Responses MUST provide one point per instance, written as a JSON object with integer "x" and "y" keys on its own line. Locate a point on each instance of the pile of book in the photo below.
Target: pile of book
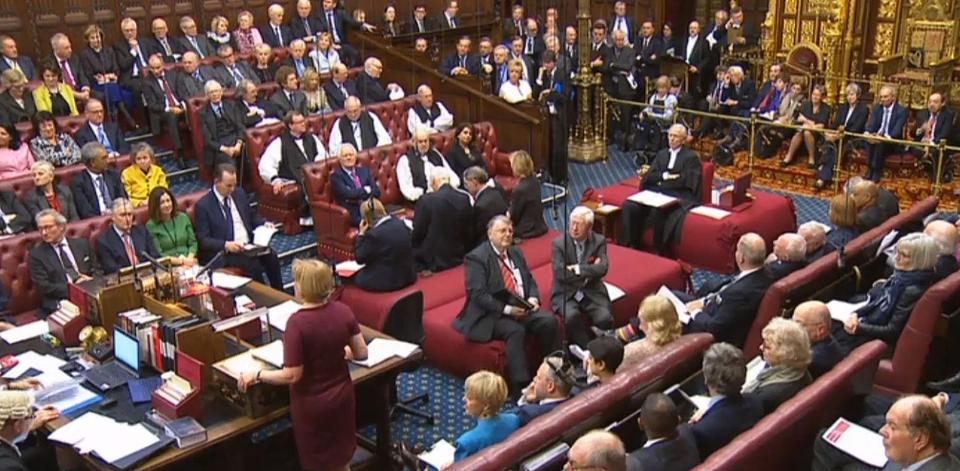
{"x": 174, "y": 388}
{"x": 66, "y": 313}
{"x": 133, "y": 319}
{"x": 157, "y": 336}
{"x": 186, "y": 431}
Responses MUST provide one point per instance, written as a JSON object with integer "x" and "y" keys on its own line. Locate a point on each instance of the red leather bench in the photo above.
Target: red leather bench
{"x": 335, "y": 236}
{"x": 781, "y": 440}
{"x": 15, "y": 253}
{"x": 901, "y": 374}
{"x": 769, "y": 215}
{"x": 594, "y": 408}
{"x": 796, "y": 287}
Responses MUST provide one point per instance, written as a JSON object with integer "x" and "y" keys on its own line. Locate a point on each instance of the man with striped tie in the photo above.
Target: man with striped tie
{"x": 97, "y": 129}
{"x": 59, "y": 260}
{"x": 503, "y": 302}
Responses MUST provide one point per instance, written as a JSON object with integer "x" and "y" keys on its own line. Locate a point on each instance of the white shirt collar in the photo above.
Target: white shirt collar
{"x": 119, "y": 232}
{"x": 552, "y": 399}
{"x": 381, "y": 221}
{"x": 654, "y": 441}
{"x": 218, "y": 195}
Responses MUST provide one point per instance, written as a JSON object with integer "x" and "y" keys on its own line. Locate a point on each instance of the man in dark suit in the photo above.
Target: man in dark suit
{"x": 887, "y": 120}
{"x": 71, "y": 68}
{"x": 676, "y": 171}
{"x": 193, "y": 42}
{"x": 825, "y": 353}
{"x": 275, "y": 32}
{"x": 339, "y": 87}
{"x": 728, "y": 413}
{"x": 289, "y": 97}
{"x": 13, "y": 60}
{"x": 515, "y": 25}
{"x": 571, "y": 50}
{"x": 934, "y": 125}
{"x": 383, "y": 246}
{"x": 99, "y": 130}
{"x": 551, "y": 386}
{"x": 621, "y": 22}
{"x": 305, "y": 25}
{"x": 885, "y": 204}
{"x": 222, "y": 127}
{"x": 461, "y": 62}
{"x": 789, "y": 255}
{"x": 553, "y": 90}
{"x": 516, "y": 53}
{"x": 225, "y": 222}
{"x": 728, "y": 312}
{"x": 669, "y": 447}
{"x": 351, "y": 183}
{"x": 747, "y": 35}
{"x": 418, "y": 23}
{"x": 497, "y": 273}
{"x": 815, "y": 240}
{"x": 851, "y": 117}
{"x": 252, "y": 107}
{"x": 533, "y": 45}
{"x": 58, "y": 260}
{"x": 297, "y": 59}
{"x": 649, "y": 49}
{"x": 487, "y": 201}
{"x": 168, "y": 48}
{"x": 14, "y": 217}
{"x": 768, "y": 88}
{"x": 580, "y": 262}
{"x": 194, "y": 76}
{"x": 369, "y": 88}
{"x": 695, "y": 51}
{"x": 498, "y": 70}
{"x": 132, "y": 53}
{"x": 617, "y": 67}
{"x": 232, "y": 71}
{"x": 741, "y": 93}
{"x": 442, "y": 226}
{"x": 123, "y": 244}
{"x": 335, "y": 21}
{"x": 95, "y": 188}
{"x": 449, "y": 18}
{"x": 165, "y": 105}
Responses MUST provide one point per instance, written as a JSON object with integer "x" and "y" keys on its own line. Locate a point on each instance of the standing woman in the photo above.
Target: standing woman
{"x": 668, "y": 39}
{"x": 322, "y": 404}
{"x": 526, "y": 207}
{"x": 389, "y": 26}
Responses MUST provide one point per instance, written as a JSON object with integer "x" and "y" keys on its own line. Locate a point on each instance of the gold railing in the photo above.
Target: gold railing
{"x": 754, "y": 122}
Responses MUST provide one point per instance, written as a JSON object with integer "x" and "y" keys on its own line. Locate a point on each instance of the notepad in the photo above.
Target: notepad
{"x": 607, "y": 208}
{"x": 613, "y": 292}
{"x": 262, "y": 235}
{"x": 271, "y": 353}
{"x": 679, "y": 305}
{"x": 380, "y": 350}
{"x": 841, "y": 310}
{"x": 710, "y": 212}
{"x": 348, "y": 268}
{"x": 25, "y": 332}
{"x": 652, "y": 199}
{"x": 228, "y": 281}
{"x": 440, "y": 456}
{"x": 281, "y": 313}
{"x": 754, "y": 368}
{"x": 857, "y": 441}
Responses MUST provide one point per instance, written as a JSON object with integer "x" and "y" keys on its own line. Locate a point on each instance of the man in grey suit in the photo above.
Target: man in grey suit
{"x": 191, "y": 41}
{"x": 580, "y": 262}
{"x": 59, "y": 260}
{"x": 232, "y": 71}
{"x": 190, "y": 83}
{"x": 289, "y": 97}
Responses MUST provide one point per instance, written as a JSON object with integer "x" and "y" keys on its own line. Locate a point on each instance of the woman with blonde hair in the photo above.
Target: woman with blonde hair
{"x": 316, "y": 97}
{"x": 660, "y": 324}
{"x": 219, "y": 33}
{"x": 144, "y": 175}
{"x": 325, "y": 56}
{"x": 526, "y": 206}
{"x": 786, "y": 351}
{"x": 843, "y": 217}
{"x": 515, "y": 89}
{"x": 318, "y": 342}
{"x": 484, "y": 394}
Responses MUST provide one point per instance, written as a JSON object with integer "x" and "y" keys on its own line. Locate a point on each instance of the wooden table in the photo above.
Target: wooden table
{"x": 374, "y": 384}
{"x": 606, "y": 219}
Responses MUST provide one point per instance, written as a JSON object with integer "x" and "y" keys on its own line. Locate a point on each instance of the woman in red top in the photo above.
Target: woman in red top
{"x": 317, "y": 342}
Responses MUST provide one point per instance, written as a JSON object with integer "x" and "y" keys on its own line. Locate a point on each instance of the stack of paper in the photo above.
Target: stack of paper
{"x": 228, "y": 281}
{"x": 271, "y": 353}
{"x": 262, "y": 235}
{"x": 607, "y": 208}
{"x": 380, "y": 350}
{"x": 25, "y": 332}
{"x": 652, "y": 199}
{"x": 710, "y": 212}
{"x": 840, "y": 310}
{"x": 679, "y": 305}
{"x": 104, "y": 437}
{"x": 279, "y": 315}
{"x": 348, "y": 268}
{"x": 857, "y": 441}
{"x": 440, "y": 456}
{"x": 32, "y": 359}
{"x": 63, "y": 392}
{"x": 753, "y": 370}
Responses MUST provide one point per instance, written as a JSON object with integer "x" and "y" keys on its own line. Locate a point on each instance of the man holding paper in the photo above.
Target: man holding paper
{"x": 579, "y": 265}
{"x": 225, "y": 222}
{"x": 676, "y": 172}
{"x": 503, "y": 302}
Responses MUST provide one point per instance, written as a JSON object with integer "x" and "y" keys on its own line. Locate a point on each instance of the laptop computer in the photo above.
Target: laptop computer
{"x": 124, "y": 367}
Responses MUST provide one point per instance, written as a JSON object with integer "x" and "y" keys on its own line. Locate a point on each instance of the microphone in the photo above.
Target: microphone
{"x": 209, "y": 265}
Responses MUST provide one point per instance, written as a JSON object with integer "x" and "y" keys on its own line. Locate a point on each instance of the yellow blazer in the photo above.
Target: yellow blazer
{"x": 41, "y": 96}
{"x": 139, "y": 185}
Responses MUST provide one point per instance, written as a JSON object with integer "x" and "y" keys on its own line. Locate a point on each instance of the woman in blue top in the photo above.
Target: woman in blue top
{"x": 485, "y": 393}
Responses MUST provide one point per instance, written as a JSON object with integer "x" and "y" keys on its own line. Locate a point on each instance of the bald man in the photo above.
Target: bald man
{"x": 728, "y": 311}
{"x": 815, "y": 238}
{"x": 946, "y": 236}
{"x": 887, "y": 120}
{"x": 885, "y": 206}
{"x": 814, "y": 317}
{"x": 789, "y": 255}
{"x": 598, "y": 449}
{"x": 442, "y": 226}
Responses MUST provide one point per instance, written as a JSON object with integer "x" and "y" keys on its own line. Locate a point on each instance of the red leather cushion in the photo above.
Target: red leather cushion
{"x": 258, "y": 139}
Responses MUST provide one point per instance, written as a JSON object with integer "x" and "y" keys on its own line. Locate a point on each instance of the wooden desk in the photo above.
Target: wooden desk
{"x": 373, "y": 384}
{"x": 606, "y": 219}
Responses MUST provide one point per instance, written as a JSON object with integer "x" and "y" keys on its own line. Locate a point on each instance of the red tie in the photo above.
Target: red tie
{"x": 131, "y": 254}
{"x": 508, "y": 281}
{"x": 171, "y": 100}
{"x": 928, "y": 136}
{"x": 67, "y": 74}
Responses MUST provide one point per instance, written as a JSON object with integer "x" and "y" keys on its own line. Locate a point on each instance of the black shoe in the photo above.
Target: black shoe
{"x": 951, "y": 384}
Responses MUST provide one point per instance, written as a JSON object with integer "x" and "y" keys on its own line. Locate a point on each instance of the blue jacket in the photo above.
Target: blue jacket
{"x": 677, "y": 454}
{"x": 211, "y": 225}
{"x": 117, "y": 142}
{"x": 724, "y": 421}
{"x": 26, "y": 66}
{"x": 898, "y": 119}
{"x": 528, "y": 412}
{"x": 487, "y": 432}
{"x": 113, "y": 254}
{"x": 346, "y": 193}
{"x": 387, "y": 252}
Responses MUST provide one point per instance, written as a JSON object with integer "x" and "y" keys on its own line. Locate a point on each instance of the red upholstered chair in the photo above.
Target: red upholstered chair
{"x": 783, "y": 438}
{"x": 901, "y": 374}
{"x": 15, "y": 272}
{"x": 284, "y": 207}
{"x": 593, "y": 408}
{"x": 194, "y": 105}
{"x": 336, "y": 236}
{"x": 497, "y": 161}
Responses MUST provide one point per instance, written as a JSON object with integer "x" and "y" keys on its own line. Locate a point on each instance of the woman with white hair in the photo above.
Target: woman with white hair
{"x": 890, "y": 301}
{"x": 786, "y": 351}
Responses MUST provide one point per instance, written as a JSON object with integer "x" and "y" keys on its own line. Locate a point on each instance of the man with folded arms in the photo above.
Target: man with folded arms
{"x": 352, "y": 184}
{"x": 815, "y": 318}
{"x": 442, "y": 226}
{"x": 580, "y": 262}
{"x": 551, "y": 386}
{"x": 361, "y": 129}
{"x": 497, "y": 273}
{"x": 59, "y": 260}
{"x": 124, "y": 244}
{"x": 676, "y": 171}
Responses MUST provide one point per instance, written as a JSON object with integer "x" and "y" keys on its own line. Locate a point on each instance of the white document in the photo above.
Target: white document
{"x": 279, "y": 315}
{"x": 262, "y": 235}
{"x": 607, "y": 208}
{"x": 700, "y": 401}
{"x": 710, "y": 212}
{"x": 63, "y": 392}
{"x": 440, "y": 456}
{"x": 841, "y": 310}
{"x": 753, "y": 370}
{"x": 266, "y": 122}
{"x": 397, "y": 94}
{"x": 826, "y": 227}
{"x": 579, "y": 352}
{"x": 25, "y": 332}
{"x": 381, "y": 350}
{"x": 228, "y": 281}
{"x": 613, "y": 291}
{"x": 652, "y": 199}
{"x": 32, "y": 359}
{"x": 857, "y": 441}
{"x": 271, "y": 353}
{"x": 82, "y": 427}
{"x": 127, "y": 440}
{"x": 348, "y": 268}
{"x": 408, "y": 222}
{"x": 103, "y": 436}
{"x": 679, "y": 305}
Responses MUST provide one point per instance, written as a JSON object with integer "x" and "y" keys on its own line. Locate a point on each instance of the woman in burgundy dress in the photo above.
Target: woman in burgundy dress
{"x": 315, "y": 344}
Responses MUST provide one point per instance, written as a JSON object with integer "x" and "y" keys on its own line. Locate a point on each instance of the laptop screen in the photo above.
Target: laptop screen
{"x": 126, "y": 349}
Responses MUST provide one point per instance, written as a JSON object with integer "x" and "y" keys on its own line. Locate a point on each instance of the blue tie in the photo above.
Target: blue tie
{"x": 299, "y": 64}
{"x": 102, "y": 137}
